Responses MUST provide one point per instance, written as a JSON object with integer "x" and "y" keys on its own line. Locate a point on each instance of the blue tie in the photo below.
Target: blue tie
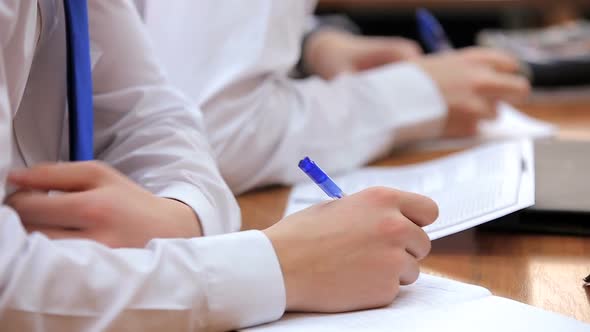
{"x": 79, "y": 81}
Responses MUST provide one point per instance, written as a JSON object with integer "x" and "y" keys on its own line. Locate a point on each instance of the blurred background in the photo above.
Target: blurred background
{"x": 462, "y": 19}
{"x": 550, "y": 37}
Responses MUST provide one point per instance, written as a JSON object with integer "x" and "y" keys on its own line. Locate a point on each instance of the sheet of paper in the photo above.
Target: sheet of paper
{"x": 510, "y": 124}
{"x": 428, "y": 293}
{"x": 470, "y": 187}
{"x": 489, "y": 314}
{"x": 434, "y": 304}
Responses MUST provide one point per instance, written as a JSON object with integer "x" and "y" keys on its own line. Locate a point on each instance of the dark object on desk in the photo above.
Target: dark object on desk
{"x": 552, "y": 57}
{"x": 562, "y": 191}
{"x": 587, "y": 281}
{"x": 572, "y": 72}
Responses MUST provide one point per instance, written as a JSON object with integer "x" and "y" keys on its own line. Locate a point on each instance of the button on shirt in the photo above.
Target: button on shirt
{"x": 144, "y": 128}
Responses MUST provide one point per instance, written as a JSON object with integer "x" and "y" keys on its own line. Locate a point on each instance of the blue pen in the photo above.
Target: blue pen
{"x": 320, "y": 178}
{"x": 431, "y": 32}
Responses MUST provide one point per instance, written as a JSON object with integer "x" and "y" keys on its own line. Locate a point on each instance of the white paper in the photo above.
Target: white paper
{"x": 510, "y": 124}
{"x": 470, "y": 187}
{"x": 427, "y": 293}
{"x": 434, "y": 304}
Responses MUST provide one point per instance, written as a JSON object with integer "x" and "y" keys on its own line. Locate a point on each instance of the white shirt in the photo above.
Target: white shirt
{"x": 143, "y": 128}
{"x": 233, "y": 58}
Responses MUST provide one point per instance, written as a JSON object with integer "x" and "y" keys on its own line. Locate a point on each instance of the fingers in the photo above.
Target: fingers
{"x": 497, "y": 60}
{"x": 41, "y": 209}
{"x": 405, "y": 235}
{"x": 411, "y": 271}
{"x": 501, "y": 81}
{"x": 415, "y": 240}
{"x": 419, "y": 209}
{"x": 508, "y": 87}
{"x": 55, "y": 233}
{"x": 408, "y": 213}
{"x": 418, "y": 246}
{"x": 60, "y": 176}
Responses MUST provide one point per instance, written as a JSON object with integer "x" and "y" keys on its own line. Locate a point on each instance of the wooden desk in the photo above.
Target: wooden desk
{"x": 541, "y": 270}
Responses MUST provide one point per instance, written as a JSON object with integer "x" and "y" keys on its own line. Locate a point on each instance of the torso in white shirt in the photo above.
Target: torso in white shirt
{"x": 40, "y": 123}
{"x": 242, "y": 39}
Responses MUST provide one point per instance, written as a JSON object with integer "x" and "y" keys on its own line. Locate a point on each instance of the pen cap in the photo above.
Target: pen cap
{"x": 320, "y": 178}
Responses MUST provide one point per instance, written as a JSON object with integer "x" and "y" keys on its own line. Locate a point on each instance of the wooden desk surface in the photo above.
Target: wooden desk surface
{"x": 541, "y": 270}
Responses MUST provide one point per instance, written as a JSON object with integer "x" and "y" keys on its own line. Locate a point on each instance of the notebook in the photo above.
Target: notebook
{"x": 470, "y": 188}
{"x": 434, "y": 304}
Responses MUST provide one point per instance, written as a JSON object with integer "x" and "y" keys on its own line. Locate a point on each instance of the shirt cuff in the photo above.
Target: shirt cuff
{"x": 417, "y": 107}
{"x": 203, "y": 208}
{"x": 246, "y": 285}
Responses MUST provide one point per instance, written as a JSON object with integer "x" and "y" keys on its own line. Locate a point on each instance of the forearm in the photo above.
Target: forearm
{"x": 165, "y": 152}
{"x": 211, "y": 284}
{"x": 146, "y": 129}
{"x": 344, "y": 123}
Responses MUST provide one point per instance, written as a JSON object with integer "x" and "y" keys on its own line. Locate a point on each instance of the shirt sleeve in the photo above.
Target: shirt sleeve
{"x": 212, "y": 284}
{"x": 145, "y": 128}
{"x": 261, "y": 121}
{"x": 215, "y": 283}
{"x": 342, "y": 124}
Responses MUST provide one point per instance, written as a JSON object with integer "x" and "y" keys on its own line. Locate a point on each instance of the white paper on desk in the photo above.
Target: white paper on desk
{"x": 510, "y": 124}
{"x": 470, "y": 188}
{"x": 434, "y": 304}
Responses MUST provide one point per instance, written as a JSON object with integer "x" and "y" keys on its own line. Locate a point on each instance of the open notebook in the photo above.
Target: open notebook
{"x": 435, "y": 304}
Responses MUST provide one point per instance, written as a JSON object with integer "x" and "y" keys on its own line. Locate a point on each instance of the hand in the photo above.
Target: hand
{"x": 97, "y": 203}
{"x": 352, "y": 253}
{"x": 472, "y": 82}
{"x": 330, "y": 52}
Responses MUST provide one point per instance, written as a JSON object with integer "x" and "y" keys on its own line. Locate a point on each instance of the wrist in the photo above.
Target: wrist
{"x": 292, "y": 295}
{"x": 184, "y": 222}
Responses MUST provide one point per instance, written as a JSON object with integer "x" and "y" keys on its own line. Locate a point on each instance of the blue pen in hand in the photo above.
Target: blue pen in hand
{"x": 320, "y": 178}
{"x": 431, "y": 32}
{"x": 435, "y": 38}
